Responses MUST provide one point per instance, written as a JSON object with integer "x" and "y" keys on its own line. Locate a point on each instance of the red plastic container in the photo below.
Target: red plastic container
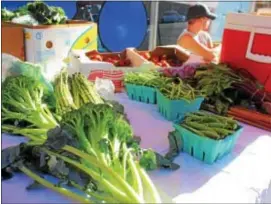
{"x": 247, "y": 44}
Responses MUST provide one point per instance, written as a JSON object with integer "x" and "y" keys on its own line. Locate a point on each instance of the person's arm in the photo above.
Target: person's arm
{"x": 209, "y": 40}
{"x": 213, "y": 45}
{"x": 188, "y": 42}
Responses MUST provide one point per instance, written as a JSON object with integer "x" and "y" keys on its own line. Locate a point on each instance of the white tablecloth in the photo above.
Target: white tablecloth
{"x": 238, "y": 178}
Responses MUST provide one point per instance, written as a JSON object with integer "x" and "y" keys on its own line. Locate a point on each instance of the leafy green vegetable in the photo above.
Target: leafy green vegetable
{"x": 22, "y": 103}
{"x": 148, "y": 160}
{"x": 46, "y": 15}
{"x": 6, "y": 15}
{"x": 21, "y": 11}
{"x": 40, "y": 11}
{"x": 93, "y": 140}
{"x": 215, "y": 81}
{"x": 175, "y": 145}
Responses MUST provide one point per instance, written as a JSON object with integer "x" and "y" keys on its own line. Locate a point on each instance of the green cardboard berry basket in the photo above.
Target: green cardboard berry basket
{"x": 175, "y": 110}
{"x": 141, "y": 93}
{"x": 204, "y": 148}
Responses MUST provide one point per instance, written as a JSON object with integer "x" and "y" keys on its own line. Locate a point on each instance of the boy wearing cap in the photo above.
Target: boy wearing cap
{"x": 195, "y": 38}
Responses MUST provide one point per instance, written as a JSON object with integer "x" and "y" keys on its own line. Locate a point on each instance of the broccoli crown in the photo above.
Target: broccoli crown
{"x": 97, "y": 127}
{"x": 22, "y": 104}
{"x": 21, "y": 93}
{"x": 148, "y": 160}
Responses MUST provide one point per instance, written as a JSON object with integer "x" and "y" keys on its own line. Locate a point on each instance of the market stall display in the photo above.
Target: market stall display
{"x": 75, "y": 100}
{"x": 87, "y": 142}
{"x": 84, "y": 126}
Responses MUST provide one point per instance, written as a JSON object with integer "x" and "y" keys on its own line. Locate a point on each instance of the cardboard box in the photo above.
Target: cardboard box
{"x": 172, "y": 52}
{"x": 44, "y": 43}
{"x": 13, "y": 40}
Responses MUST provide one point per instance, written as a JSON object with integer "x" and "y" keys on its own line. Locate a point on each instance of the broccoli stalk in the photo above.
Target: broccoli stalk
{"x": 48, "y": 184}
{"x": 34, "y": 134}
{"x": 22, "y": 102}
{"x": 102, "y": 134}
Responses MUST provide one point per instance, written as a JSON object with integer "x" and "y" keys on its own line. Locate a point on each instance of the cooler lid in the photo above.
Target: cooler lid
{"x": 122, "y": 25}
{"x": 248, "y": 20}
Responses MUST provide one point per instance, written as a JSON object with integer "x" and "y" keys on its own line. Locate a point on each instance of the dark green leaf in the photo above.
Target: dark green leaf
{"x": 163, "y": 162}
{"x": 175, "y": 146}
{"x": 34, "y": 185}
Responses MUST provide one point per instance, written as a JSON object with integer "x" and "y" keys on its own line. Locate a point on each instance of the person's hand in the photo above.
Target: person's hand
{"x": 217, "y": 49}
{"x": 216, "y": 45}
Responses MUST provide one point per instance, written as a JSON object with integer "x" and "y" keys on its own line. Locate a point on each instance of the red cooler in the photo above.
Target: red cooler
{"x": 247, "y": 44}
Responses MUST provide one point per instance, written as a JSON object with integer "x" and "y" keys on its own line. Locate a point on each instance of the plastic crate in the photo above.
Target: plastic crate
{"x": 204, "y": 148}
{"x": 175, "y": 110}
{"x": 141, "y": 93}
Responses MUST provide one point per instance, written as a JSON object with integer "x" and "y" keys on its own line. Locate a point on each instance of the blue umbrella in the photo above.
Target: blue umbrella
{"x": 122, "y": 25}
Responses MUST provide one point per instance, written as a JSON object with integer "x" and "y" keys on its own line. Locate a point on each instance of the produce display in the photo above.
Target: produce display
{"x": 150, "y": 79}
{"x": 209, "y": 125}
{"x": 87, "y": 142}
{"x": 214, "y": 81}
{"x": 178, "y": 89}
{"x": 115, "y": 59}
{"x": 226, "y": 88}
{"x": 173, "y": 88}
{"x": 253, "y": 94}
{"x": 161, "y": 61}
{"x": 93, "y": 142}
{"x": 40, "y": 11}
{"x": 84, "y": 141}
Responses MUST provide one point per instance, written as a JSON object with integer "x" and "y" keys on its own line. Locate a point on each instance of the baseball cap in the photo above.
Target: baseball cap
{"x": 198, "y": 11}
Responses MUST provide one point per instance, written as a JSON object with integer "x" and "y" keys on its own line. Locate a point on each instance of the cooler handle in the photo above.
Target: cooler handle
{"x": 257, "y": 57}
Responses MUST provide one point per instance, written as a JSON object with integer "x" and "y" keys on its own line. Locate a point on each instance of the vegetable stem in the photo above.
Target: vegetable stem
{"x": 47, "y": 184}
